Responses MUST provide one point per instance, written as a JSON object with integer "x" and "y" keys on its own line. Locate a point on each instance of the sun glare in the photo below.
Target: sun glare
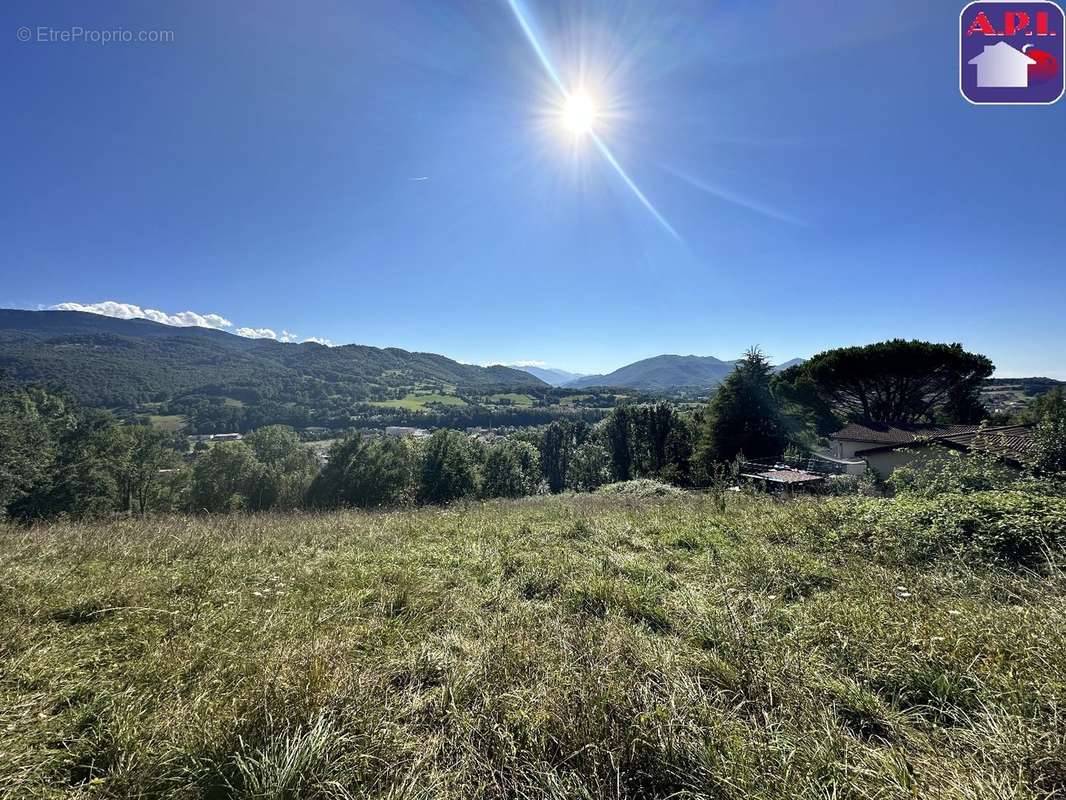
{"x": 579, "y": 113}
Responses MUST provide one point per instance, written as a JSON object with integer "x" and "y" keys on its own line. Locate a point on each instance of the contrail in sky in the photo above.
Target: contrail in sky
{"x": 542, "y": 56}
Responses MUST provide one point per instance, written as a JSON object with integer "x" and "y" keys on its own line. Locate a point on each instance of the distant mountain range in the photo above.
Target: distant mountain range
{"x": 116, "y": 362}
{"x": 554, "y": 377}
{"x": 668, "y": 373}
{"x": 120, "y": 362}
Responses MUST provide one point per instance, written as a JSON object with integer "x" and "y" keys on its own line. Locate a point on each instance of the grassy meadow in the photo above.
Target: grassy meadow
{"x": 170, "y": 423}
{"x": 514, "y": 398}
{"x": 417, "y": 401}
{"x": 570, "y": 647}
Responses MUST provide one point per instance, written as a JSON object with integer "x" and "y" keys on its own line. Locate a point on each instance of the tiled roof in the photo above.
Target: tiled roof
{"x": 1013, "y": 441}
{"x": 883, "y": 433}
{"x": 1010, "y": 441}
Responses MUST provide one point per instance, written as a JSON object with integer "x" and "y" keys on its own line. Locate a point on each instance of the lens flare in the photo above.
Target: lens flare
{"x": 579, "y": 115}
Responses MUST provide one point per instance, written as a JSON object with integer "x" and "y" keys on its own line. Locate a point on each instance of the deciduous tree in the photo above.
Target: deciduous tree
{"x": 287, "y": 467}
{"x": 225, "y": 477}
{"x": 508, "y": 470}
{"x": 447, "y": 472}
{"x": 589, "y": 466}
{"x": 366, "y": 473}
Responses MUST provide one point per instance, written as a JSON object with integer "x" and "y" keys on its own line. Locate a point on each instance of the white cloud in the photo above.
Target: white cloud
{"x": 257, "y": 333}
{"x": 268, "y": 333}
{"x": 183, "y": 319}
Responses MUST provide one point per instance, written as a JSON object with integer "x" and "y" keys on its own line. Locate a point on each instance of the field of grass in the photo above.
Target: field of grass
{"x": 573, "y": 399}
{"x": 416, "y": 401}
{"x": 167, "y": 422}
{"x": 513, "y": 397}
{"x": 571, "y": 647}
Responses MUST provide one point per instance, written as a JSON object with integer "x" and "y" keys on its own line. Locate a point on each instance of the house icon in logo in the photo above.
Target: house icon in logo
{"x": 1001, "y": 66}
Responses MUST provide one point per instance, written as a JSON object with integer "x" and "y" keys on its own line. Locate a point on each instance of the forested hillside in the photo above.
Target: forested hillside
{"x": 111, "y": 362}
{"x": 668, "y": 374}
{"x": 663, "y": 373}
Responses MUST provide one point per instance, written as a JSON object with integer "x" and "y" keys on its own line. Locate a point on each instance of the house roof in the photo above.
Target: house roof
{"x": 1011, "y": 441}
{"x": 1014, "y": 442}
{"x": 883, "y": 433}
{"x": 785, "y": 475}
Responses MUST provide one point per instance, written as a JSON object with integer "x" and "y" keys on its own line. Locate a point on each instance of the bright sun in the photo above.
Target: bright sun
{"x": 579, "y": 113}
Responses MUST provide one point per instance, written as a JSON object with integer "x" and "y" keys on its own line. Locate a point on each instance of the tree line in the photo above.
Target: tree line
{"x": 217, "y": 413}
{"x": 59, "y": 459}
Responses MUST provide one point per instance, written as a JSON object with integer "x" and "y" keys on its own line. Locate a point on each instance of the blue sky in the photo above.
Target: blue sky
{"x": 395, "y": 174}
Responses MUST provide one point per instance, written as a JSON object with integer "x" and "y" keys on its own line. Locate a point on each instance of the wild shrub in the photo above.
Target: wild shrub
{"x": 868, "y": 484}
{"x": 951, "y": 471}
{"x": 1012, "y": 528}
{"x": 1049, "y": 437}
{"x": 643, "y": 487}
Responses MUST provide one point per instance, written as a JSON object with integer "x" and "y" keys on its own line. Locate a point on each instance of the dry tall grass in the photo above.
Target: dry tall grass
{"x": 549, "y": 648}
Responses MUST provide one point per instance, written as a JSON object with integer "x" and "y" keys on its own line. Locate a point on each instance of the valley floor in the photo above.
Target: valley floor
{"x": 571, "y": 647}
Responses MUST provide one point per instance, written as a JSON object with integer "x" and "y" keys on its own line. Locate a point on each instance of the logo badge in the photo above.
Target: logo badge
{"x": 1012, "y": 53}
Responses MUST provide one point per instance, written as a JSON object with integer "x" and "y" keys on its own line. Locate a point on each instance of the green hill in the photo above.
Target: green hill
{"x": 667, "y": 373}
{"x": 113, "y": 362}
{"x": 551, "y": 375}
{"x": 662, "y": 373}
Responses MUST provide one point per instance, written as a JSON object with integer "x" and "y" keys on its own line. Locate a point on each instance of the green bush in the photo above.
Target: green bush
{"x": 643, "y": 487}
{"x": 1003, "y": 526}
{"x": 951, "y": 471}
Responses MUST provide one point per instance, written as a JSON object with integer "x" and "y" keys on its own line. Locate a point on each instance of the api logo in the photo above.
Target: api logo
{"x": 1011, "y": 53}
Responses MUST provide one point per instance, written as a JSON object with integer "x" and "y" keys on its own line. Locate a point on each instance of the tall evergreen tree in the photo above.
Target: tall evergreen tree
{"x": 680, "y": 445}
{"x": 653, "y": 423}
{"x": 617, "y": 434}
{"x": 743, "y": 417}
